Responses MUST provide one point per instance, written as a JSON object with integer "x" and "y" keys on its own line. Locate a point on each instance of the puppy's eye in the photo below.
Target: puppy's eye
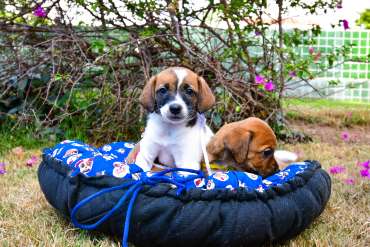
{"x": 267, "y": 152}
{"x": 189, "y": 91}
{"x": 162, "y": 90}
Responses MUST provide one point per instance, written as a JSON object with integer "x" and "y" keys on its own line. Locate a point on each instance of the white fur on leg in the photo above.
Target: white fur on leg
{"x": 147, "y": 154}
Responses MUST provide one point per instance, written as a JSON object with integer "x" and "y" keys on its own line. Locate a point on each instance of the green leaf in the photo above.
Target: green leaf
{"x": 58, "y": 77}
{"x": 98, "y": 46}
{"x": 217, "y": 120}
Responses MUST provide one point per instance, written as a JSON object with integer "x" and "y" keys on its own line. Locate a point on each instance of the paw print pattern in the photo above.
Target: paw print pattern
{"x": 121, "y": 169}
{"x": 109, "y": 160}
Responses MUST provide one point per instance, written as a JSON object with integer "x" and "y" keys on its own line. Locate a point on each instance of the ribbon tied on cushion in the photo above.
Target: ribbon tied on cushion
{"x": 131, "y": 194}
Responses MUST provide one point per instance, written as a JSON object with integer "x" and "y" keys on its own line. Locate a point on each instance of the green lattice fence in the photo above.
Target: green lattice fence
{"x": 354, "y": 75}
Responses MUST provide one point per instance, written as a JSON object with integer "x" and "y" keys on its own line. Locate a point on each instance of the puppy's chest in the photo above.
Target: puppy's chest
{"x": 176, "y": 136}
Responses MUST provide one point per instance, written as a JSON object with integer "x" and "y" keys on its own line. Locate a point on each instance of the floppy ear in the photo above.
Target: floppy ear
{"x": 147, "y": 95}
{"x": 238, "y": 143}
{"x": 206, "y": 99}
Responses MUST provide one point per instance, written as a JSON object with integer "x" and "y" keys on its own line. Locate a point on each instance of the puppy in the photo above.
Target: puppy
{"x": 173, "y": 98}
{"x": 246, "y": 145}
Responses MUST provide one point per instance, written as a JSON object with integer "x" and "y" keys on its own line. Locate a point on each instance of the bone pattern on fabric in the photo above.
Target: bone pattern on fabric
{"x": 109, "y": 160}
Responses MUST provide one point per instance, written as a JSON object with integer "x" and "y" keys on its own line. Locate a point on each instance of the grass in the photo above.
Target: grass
{"x": 27, "y": 219}
{"x": 24, "y": 137}
{"x": 328, "y": 112}
{"x": 31, "y": 137}
{"x": 325, "y": 103}
{"x": 345, "y": 221}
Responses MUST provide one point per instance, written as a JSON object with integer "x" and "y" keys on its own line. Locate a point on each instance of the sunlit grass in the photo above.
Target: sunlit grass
{"x": 326, "y": 103}
{"x": 328, "y": 112}
{"x": 27, "y": 219}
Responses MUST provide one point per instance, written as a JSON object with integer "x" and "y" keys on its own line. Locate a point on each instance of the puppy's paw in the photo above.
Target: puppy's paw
{"x": 143, "y": 163}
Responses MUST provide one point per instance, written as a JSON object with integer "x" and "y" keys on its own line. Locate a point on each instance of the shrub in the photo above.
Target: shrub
{"x": 92, "y": 75}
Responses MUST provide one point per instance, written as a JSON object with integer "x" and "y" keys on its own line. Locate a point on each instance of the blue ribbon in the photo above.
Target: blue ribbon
{"x": 133, "y": 190}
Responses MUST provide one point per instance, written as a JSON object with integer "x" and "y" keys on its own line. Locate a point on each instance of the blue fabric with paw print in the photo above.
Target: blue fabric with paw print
{"x": 110, "y": 160}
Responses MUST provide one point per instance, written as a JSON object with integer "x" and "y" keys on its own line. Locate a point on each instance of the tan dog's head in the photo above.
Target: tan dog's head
{"x": 248, "y": 145}
{"x": 177, "y": 94}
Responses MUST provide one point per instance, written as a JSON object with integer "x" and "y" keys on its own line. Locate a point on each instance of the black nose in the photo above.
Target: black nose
{"x": 175, "y": 109}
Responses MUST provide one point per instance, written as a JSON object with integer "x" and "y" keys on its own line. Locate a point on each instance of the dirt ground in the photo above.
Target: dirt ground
{"x": 333, "y": 135}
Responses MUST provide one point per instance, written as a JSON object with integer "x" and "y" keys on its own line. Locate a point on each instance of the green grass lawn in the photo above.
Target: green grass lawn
{"x": 27, "y": 219}
{"x": 328, "y": 112}
{"x": 20, "y": 137}
{"x": 325, "y": 103}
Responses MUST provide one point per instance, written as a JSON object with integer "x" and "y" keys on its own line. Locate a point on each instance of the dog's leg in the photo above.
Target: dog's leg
{"x": 148, "y": 152}
{"x": 187, "y": 157}
{"x": 165, "y": 158}
{"x": 190, "y": 155}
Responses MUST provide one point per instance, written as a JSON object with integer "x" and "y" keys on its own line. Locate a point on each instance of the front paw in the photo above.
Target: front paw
{"x": 143, "y": 163}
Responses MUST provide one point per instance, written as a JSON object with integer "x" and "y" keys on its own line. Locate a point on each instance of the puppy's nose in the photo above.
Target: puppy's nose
{"x": 175, "y": 108}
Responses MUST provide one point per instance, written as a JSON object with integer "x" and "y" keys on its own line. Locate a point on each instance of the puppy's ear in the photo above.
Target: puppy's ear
{"x": 147, "y": 95}
{"x": 206, "y": 99}
{"x": 238, "y": 142}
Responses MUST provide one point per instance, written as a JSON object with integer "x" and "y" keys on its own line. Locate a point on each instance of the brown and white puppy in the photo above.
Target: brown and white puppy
{"x": 173, "y": 98}
{"x": 246, "y": 145}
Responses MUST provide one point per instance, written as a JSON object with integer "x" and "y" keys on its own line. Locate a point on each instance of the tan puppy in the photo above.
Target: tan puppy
{"x": 246, "y": 145}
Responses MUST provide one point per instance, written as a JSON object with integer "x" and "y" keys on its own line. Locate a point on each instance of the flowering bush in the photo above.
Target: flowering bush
{"x": 249, "y": 64}
{"x": 39, "y": 12}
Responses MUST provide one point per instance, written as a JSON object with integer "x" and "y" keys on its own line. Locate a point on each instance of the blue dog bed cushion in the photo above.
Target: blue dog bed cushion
{"x": 98, "y": 190}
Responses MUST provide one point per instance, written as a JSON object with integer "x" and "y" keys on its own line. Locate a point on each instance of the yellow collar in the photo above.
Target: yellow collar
{"x": 215, "y": 166}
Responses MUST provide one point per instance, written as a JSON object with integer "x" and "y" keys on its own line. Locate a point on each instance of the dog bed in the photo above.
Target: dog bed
{"x": 97, "y": 190}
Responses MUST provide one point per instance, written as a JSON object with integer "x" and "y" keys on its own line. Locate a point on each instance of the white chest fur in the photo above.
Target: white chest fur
{"x": 176, "y": 144}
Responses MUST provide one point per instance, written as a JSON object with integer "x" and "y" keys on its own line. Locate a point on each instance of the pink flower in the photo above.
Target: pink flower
{"x": 33, "y": 160}
{"x": 345, "y": 136}
{"x": 292, "y": 74}
{"x": 345, "y": 24}
{"x": 365, "y": 164}
{"x": 349, "y": 181}
{"x": 339, "y": 5}
{"x": 349, "y": 114}
{"x": 2, "y": 168}
{"x": 365, "y": 173}
{"x": 311, "y": 50}
{"x": 337, "y": 169}
{"x": 39, "y": 12}
{"x": 257, "y": 33}
{"x": 259, "y": 79}
{"x": 269, "y": 86}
